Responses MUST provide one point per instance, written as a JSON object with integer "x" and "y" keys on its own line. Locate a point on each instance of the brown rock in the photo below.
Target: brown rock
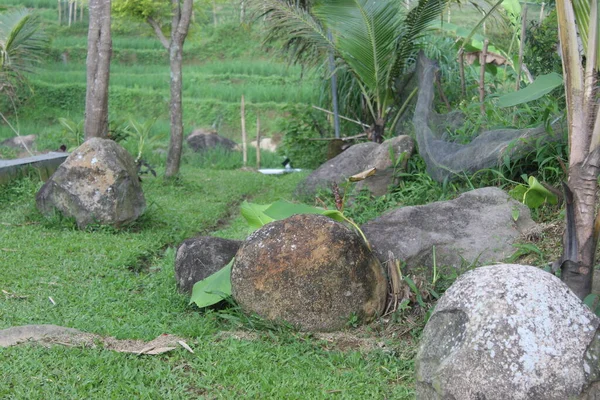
{"x": 98, "y": 183}
{"x": 310, "y": 271}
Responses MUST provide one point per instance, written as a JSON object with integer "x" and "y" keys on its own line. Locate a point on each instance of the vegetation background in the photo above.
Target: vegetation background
{"x": 120, "y": 282}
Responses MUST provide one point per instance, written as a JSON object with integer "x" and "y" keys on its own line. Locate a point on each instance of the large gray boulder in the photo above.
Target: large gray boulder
{"x": 310, "y": 271}
{"x": 509, "y": 332}
{"x": 200, "y": 257}
{"x": 477, "y": 227}
{"x": 97, "y": 183}
{"x": 200, "y": 140}
{"x": 356, "y": 159}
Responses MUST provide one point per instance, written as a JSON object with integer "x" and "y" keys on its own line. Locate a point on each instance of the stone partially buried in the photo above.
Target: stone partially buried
{"x": 97, "y": 183}
{"x": 309, "y": 271}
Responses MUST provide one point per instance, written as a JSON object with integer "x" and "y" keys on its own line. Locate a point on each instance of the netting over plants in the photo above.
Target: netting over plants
{"x": 446, "y": 159}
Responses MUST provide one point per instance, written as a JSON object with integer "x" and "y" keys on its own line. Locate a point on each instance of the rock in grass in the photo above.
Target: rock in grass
{"x": 97, "y": 183}
{"x": 309, "y": 271}
{"x": 509, "y": 332}
{"x": 477, "y": 227}
{"x": 200, "y": 140}
{"x": 388, "y": 157}
{"x": 200, "y": 257}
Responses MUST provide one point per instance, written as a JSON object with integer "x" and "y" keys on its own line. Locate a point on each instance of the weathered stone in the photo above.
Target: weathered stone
{"x": 97, "y": 183}
{"x": 310, "y": 271}
{"x": 477, "y": 227}
{"x": 359, "y": 158}
{"x": 338, "y": 169}
{"x": 201, "y": 257}
{"x": 20, "y": 142}
{"x": 509, "y": 332}
{"x": 402, "y": 148}
{"x": 200, "y": 140}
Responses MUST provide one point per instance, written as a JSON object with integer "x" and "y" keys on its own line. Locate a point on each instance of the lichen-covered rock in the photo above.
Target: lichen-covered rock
{"x": 509, "y": 332}
{"x": 200, "y": 257}
{"x": 477, "y": 227}
{"x": 310, "y": 271}
{"x": 97, "y": 183}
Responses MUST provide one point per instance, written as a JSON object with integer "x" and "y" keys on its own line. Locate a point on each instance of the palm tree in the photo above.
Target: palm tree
{"x": 372, "y": 41}
{"x": 22, "y": 46}
{"x": 575, "y": 18}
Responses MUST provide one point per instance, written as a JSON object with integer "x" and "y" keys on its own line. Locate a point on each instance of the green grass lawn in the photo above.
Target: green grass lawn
{"x": 121, "y": 283}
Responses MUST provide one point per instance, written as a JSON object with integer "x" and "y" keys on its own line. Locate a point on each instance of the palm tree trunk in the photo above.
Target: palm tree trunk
{"x": 579, "y": 241}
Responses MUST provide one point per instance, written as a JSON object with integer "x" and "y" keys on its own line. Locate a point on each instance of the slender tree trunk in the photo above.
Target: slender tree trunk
{"x": 98, "y": 69}
{"x": 59, "y": 11}
{"x": 180, "y": 23}
{"x": 176, "y": 111}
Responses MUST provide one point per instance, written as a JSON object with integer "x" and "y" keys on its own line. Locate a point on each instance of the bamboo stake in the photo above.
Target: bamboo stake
{"x": 461, "y": 68}
{"x": 482, "y": 60}
{"x": 257, "y": 141}
{"x": 542, "y": 12}
{"x": 244, "y": 138}
{"x": 521, "y": 46}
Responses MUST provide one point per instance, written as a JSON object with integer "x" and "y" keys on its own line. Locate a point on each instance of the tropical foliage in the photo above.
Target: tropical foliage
{"x": 372, "y": 41}
{"x": 22, "y": 46}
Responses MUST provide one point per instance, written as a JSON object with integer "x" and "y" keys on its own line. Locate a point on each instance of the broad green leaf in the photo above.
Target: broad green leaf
{"x": 335, "y": 215}
{"x": 518, "y": 193}
{"x": 255, "y": 214}
{"x": 533, "y": 195}
{"x": 214, "y": 288}
{"x": 536, "y": 187}
{"x": 282, "y": 209}
{"x": 543, "y": 84}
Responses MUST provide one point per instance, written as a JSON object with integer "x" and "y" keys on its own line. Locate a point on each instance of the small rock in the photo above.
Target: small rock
{"x": 310, "y": 271}
{"x": 200, "y": 140}
{"x": 20, "y": 142}
{"x": 200, "y": 257}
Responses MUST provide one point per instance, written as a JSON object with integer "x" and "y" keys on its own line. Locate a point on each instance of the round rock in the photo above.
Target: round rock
{"x": 310, "y": 271}
{"x": 509, "y": 332}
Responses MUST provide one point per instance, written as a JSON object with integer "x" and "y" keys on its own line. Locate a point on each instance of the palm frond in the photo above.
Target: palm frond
{"x": 366, "y": 31}
{"x": 22, "y": 45}
{"x": 418, "y": 22}
{"x": 304, "y": 37}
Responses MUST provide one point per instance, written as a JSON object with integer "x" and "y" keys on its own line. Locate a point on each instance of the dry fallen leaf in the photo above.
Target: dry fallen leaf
{"x": 185, "y": 346}
{"x": 363, "y": 175}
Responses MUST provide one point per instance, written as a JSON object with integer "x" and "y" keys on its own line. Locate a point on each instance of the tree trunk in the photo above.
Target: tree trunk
{"x": 579, "y": 241}
{"x": 98, "y": 69}
{"x": 180, "y": 24}
{"x": 175, "y": 109}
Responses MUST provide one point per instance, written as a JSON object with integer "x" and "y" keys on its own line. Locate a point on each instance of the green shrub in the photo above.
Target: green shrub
{"x": 541, "y": 50}
{"x": 299, "y": 128}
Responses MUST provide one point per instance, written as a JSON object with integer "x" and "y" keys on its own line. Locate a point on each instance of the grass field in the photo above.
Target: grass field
{"x": 121, "y": 284}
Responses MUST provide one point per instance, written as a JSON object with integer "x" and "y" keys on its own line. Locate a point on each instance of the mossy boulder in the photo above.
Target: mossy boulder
{"x": 309, "y": 271}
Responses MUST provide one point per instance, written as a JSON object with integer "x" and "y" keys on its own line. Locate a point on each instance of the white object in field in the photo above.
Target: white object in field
{"x": 278, "y": 171}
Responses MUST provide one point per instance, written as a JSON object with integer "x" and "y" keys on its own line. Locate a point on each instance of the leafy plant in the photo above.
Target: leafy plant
{"x": 73, "y": 132}
{"x": 534, "y": 194}
{"x": 372, "y": 40}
